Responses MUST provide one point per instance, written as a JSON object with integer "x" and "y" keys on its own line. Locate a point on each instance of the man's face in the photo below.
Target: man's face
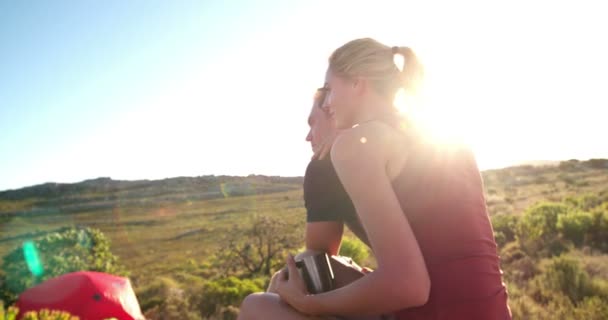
{"x": 322, "y": 128}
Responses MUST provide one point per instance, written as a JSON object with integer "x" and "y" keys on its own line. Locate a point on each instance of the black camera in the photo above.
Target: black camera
{"x": 317, "y": 272}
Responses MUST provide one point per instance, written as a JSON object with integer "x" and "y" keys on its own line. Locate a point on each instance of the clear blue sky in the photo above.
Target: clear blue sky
{"x": 155, "y": 89}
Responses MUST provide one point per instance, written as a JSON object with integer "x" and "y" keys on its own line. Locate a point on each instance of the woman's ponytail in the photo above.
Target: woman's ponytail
{"x": 412, "y": 73}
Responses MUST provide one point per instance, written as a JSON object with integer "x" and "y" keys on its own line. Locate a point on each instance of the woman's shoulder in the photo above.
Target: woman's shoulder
{"x": 373, "y": 128}
{"x": 367, "y": 139}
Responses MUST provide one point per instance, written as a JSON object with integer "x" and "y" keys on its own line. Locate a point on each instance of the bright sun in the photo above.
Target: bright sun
{"x": 450, "y": 118}
{"x": 514, "y": 92}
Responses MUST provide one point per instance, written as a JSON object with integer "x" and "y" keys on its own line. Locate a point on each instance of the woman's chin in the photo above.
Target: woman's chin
{"x": 338, "y": 123}
{"x": 342, "y": 125}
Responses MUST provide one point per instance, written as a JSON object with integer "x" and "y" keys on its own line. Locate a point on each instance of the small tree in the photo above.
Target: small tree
{"x": 53, "y": 255}
{"x": 259, "y": 248}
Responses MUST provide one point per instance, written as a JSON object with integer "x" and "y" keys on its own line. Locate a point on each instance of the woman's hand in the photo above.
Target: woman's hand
{"x": 281, "y": 274}
{"x": 292, "y": 289}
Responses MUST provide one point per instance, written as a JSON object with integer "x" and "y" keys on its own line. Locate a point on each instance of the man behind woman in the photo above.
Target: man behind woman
{"x": 420, "y": 206}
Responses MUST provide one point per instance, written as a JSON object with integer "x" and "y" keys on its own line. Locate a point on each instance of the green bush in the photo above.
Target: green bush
{"x": 524, "y": 307}
{"x": 511, "y": 252}
{"x": 559, "y": 308}
{"x": 355, "y": 249}
{"x": 57, "y": 253}
{"x": 585, "y": 202}
{"x": 522, "y": 270}
{"x": 565, "y": 275}
{"x": 598, "y": 231}
{"x": 9, "y": 314}
{"x": 575, "y": 225}
{"x": 500, "y": 238}
{"x": 505, "y": 226}
{"x": 12, "y": 312}
{"x": 592, "y": 308}
{"x": 164, "y": 298}
{"x": 45, "y": 314}
{"x": 219, "y": 294}
{"x": 537, "y": 229}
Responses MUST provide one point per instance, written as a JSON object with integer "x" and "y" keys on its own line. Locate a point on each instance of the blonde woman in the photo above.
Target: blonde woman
{"x": 421, "y": 204}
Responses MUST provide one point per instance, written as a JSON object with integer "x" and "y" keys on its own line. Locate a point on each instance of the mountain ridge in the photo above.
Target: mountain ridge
{"x": 104, "y": 192}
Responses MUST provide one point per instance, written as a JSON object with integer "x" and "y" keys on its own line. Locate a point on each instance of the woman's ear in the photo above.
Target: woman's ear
{"x": 360, "y": 85}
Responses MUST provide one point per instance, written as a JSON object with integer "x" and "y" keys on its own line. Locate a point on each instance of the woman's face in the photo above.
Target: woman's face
{"x": 341, "y": 100}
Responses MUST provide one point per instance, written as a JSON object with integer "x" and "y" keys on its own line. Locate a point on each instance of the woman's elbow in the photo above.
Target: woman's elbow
{"x": 421, "y": 296}
{"x": 417, "y": 292}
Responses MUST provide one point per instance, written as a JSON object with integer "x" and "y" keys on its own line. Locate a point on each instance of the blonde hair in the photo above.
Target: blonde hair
{"x": 374, "y": 61}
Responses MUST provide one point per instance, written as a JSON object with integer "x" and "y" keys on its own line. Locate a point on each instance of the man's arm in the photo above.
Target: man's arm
{"x": 324, "y": 236}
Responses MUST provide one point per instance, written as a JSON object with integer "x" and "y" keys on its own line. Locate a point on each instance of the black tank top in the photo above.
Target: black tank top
{"x": 326, "y": 200}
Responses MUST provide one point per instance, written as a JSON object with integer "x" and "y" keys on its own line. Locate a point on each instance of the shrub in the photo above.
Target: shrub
{"x": 354, "y": 248}
{"x": 598, "y": 231}
{"x": 537, "y": 228}
{"x": 584, "y": 202}
{"x": 525, "y": 307}
{"x": 575, "y": 225}
{"x": 165, "y": 299}
{"x": 500, "y": 238}
{"x": 505, "y": 224}
{"x": 522, "y": 270}
{"x": 9, "y": 314}
{"x": 591, "y": 309}
{"x": 225, "y": 313}
{"x": 511, "y": 252}
{"x": 45, "y": 314}
{"x": 564, "y": 275}
{"x": 597, "y": 163}
{"x": 58, "y": 253}
{"x": 12, "y": 312}
{"x": 217, "y": 295}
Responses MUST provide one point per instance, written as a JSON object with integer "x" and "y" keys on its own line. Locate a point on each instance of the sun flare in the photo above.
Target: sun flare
{"x": 448, "y": 118}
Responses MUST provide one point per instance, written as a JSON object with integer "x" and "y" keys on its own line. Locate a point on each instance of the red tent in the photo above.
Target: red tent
{"x": 88, "y": 295}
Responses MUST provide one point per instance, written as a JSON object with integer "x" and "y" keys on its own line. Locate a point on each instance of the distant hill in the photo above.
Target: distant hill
{"x": 512, "y": 189}
{"x": 538, "y": 163}
{"x": 104, "y": 193}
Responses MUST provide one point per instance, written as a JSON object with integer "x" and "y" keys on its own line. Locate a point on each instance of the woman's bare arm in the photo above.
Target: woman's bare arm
{"x": 401, "y": 279}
